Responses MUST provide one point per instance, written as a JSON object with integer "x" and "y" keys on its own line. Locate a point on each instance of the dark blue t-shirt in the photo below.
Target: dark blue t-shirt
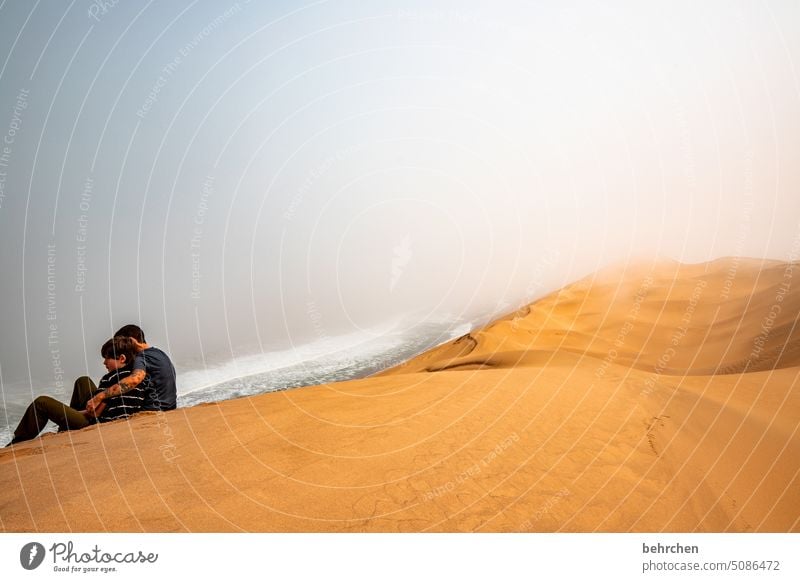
{"x": 162, "y": 394}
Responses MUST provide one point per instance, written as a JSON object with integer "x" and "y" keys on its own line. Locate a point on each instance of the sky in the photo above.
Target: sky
{"x": 245, "y": 177}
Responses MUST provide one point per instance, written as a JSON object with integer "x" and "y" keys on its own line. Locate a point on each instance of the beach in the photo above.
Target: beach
{"x": 648, "y": 397}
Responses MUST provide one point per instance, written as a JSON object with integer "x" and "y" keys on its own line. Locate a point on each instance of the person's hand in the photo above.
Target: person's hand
{"x": 95, "y": 413}
{"x": 98, "y": 410}
{"x": 95, "y": 405}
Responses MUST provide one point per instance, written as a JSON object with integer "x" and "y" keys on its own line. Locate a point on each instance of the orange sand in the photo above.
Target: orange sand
{"x": 652, "y": 398}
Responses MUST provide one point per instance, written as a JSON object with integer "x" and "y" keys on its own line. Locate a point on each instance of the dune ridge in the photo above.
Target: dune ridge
{"x": 647, "y": 397}
{"x": 680, "y": 320}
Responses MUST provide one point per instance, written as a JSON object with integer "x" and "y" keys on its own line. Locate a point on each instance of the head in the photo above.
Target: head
{"x": 118, "y": 352}
{"x": 131, "y": 331}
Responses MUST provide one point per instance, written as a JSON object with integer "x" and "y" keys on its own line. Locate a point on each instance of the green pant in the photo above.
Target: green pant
{"x": 45, "y": 408}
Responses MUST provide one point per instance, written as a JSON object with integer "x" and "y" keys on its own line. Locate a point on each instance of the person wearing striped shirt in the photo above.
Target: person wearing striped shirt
{"x": 118, "y": 357}
{"x": 131, "y": 402}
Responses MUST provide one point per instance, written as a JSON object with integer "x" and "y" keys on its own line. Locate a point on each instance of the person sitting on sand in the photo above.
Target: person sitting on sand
{"x": 151, "y": 363}
{"x": 118, "y": 357}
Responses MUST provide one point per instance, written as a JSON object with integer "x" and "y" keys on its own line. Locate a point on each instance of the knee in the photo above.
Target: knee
{"x": 82, "y": 380}
{"x": 43, "y": 401}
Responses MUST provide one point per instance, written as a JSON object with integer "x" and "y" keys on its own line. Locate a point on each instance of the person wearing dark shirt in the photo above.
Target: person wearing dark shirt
{"x": 150, "y": 363}
{"x": 118, "y": 356}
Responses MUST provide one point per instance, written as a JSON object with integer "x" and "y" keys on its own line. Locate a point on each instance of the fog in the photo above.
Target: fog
{"x": 241, "y": 179}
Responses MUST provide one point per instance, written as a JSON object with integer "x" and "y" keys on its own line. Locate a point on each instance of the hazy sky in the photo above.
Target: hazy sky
{"x": 251, "y": 176}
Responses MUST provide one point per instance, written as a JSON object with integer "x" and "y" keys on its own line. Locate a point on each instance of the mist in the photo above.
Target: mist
{"x": 240, "y": 179}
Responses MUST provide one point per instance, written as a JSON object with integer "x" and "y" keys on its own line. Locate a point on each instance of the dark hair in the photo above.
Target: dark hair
{"x": 119, "y": 346}
{"x": 131, "y": 330}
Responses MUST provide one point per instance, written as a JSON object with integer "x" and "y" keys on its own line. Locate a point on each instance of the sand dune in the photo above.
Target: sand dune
{"x": 651, "y": 397}
{"x": 728, "y": 316}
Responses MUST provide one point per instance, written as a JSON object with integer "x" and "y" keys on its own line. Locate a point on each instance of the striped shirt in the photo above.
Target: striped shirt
{"x": 124, "y": 405}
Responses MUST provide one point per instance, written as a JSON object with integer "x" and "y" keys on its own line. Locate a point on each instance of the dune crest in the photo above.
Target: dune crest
{"x": 652, "y": 397}
{"x": 724, "y": 317}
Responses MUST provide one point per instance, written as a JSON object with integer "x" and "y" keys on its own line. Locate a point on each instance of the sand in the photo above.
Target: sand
{"x": 651, "y": 397}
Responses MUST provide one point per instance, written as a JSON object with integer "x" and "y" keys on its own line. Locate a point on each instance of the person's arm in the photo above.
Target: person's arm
{"x": 126, "y": 384}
